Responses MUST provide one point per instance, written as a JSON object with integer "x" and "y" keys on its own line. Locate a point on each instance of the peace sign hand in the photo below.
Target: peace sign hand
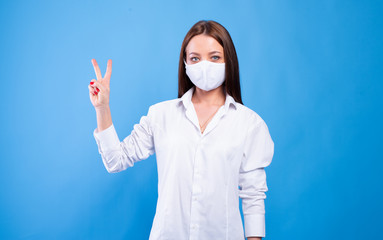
{"x": 99, "y": 89}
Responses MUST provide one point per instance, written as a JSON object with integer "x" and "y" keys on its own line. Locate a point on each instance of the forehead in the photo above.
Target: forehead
{"x": 203, "y": 44}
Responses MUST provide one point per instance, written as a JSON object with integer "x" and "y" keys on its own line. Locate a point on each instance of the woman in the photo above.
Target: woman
{"x": 210, "y": 148}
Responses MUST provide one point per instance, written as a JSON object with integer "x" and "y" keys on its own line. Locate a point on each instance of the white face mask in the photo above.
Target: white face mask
{"x": 206, "y": 75}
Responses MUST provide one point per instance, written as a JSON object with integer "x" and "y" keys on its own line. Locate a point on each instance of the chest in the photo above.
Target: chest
{"x": 179, "y": 135}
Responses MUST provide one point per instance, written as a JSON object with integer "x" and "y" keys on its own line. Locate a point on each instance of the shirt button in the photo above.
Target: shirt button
{"x": 195, "y": 198}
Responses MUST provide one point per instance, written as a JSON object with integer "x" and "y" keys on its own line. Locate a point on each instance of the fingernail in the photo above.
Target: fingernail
{"x": 95, "y": 92}
{"x": 91, "y": 83}
{"x": 97, "y": 89}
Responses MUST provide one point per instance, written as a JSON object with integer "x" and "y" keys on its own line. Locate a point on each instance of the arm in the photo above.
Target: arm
{"x": 116, "y": 155}
{"x": 258, "y": 153}
{"x": 254, "y": 238}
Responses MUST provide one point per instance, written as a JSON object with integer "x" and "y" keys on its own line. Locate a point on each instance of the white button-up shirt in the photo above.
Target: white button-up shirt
{"x": 200, "y": 175}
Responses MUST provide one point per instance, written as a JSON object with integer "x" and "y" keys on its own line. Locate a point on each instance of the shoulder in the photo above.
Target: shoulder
{"x": 252, "y": 117}
{"x": 165, "y": 106}
{"x": 257, "y": 130}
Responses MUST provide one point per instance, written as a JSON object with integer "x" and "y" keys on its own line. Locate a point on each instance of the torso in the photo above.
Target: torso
{"x": 205, "y": 166}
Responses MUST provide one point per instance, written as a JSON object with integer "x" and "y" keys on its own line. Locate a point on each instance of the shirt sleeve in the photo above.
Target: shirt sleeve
{"x": 118, "y": 156}
{"x": 258, "y": 153}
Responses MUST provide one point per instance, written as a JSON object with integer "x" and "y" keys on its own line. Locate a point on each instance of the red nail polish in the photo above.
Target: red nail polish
{"x": 95, "y": 92}
{"x": 91, "y": 83}
{"x": 97, "y": 89}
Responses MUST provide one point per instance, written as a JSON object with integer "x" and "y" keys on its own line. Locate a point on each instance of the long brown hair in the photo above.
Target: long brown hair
{"x": 219, "y": 33}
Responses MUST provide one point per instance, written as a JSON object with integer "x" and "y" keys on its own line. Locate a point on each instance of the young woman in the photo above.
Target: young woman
{"x": 210, "y": 148}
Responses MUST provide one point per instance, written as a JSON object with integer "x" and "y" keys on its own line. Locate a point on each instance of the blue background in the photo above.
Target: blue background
{"x": 311, "y": 69}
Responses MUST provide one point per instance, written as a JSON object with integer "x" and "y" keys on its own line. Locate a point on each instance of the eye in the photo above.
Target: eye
{"x": 194, "y": 59}
{"x": 215, "y": 58}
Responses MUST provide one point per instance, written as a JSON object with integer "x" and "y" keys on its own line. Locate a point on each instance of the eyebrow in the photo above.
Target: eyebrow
{"x": 213, "y": 52}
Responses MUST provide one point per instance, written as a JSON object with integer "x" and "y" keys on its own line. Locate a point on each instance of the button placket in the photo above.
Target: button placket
{"x": 196, "y": 192}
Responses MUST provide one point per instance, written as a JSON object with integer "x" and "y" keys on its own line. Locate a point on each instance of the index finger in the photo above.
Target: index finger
{"x": 96, "y": 69}
{"x": 108, "y": 70}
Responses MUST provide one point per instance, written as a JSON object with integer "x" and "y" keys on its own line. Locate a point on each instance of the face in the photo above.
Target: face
{"x": 203, "y": 47}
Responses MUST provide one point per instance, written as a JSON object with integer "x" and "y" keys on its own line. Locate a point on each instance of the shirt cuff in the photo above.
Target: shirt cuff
{"x": 107, "y": 139}
{"x": 254, "y": 225}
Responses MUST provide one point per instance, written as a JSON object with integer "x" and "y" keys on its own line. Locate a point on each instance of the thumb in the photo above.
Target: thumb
{"x": 100, "y": 86}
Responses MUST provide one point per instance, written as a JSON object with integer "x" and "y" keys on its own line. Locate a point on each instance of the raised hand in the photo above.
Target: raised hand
{"x": 99, "y": 89}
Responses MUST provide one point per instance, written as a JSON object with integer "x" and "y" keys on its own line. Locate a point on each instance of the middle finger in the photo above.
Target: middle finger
{"x": 96, "y": 69}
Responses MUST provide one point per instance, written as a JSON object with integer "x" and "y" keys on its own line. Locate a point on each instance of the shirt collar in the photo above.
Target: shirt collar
{"x": 186, "y": 99}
